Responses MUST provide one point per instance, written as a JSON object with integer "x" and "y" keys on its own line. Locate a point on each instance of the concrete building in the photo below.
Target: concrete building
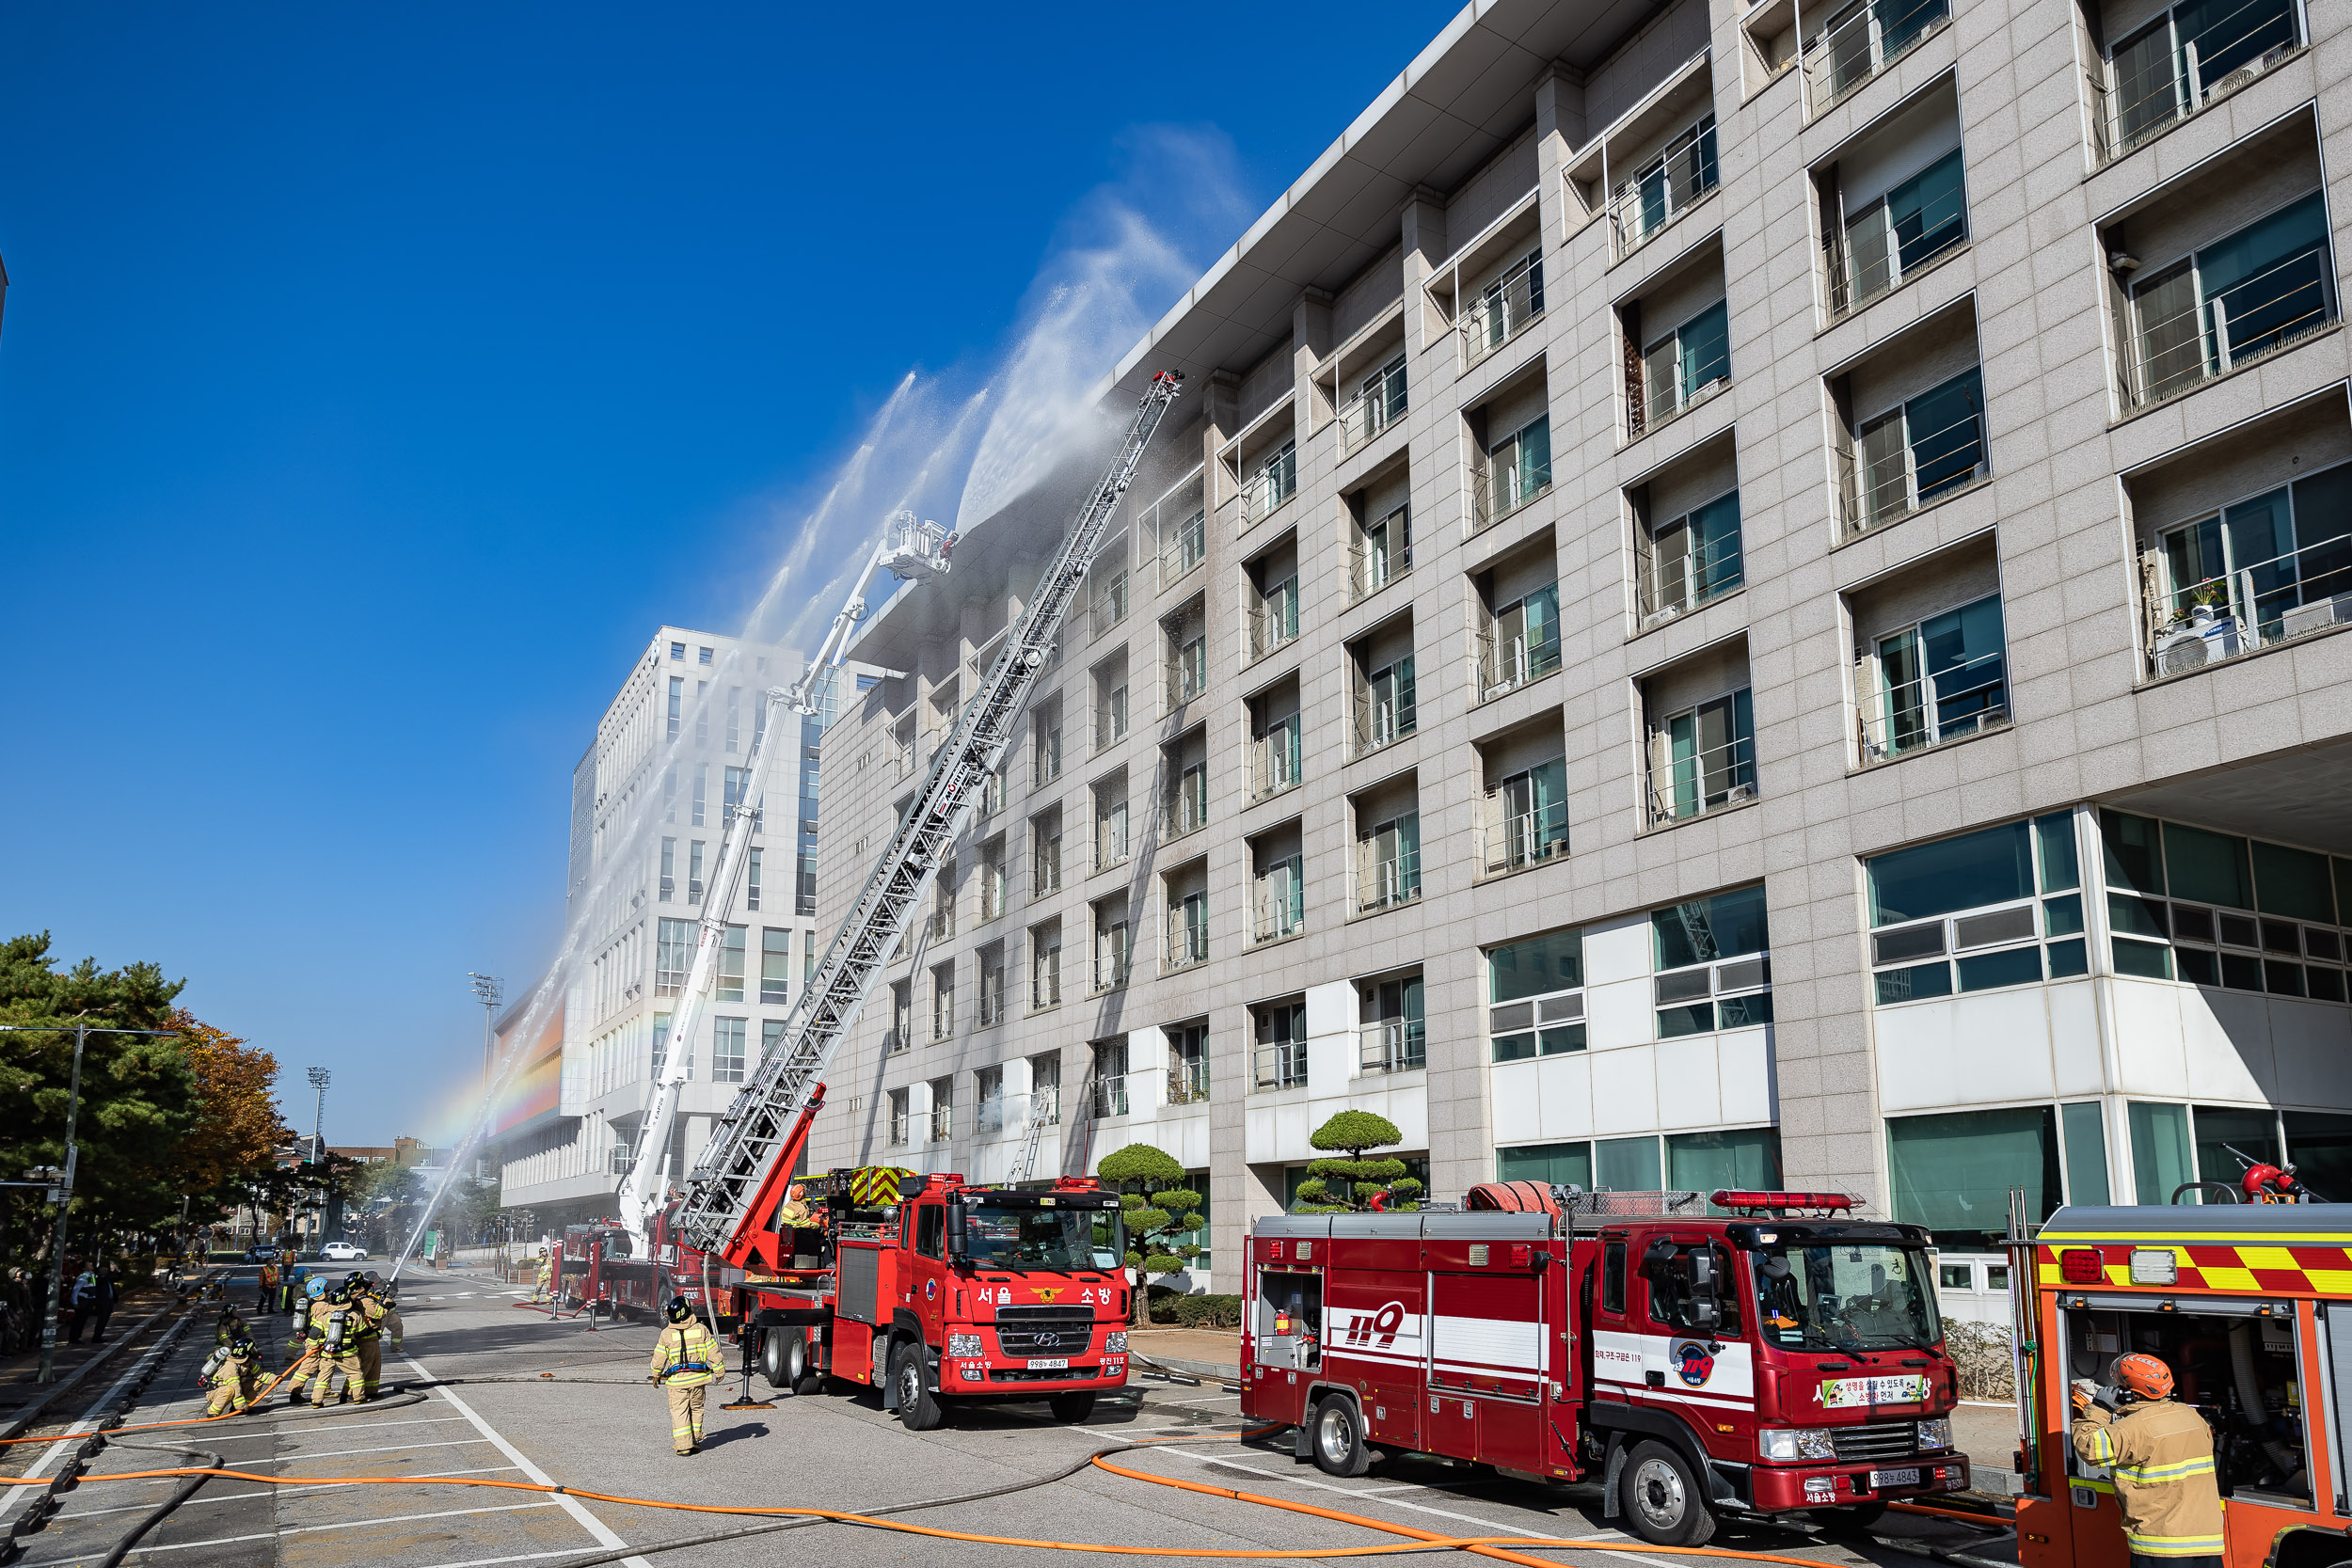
{"x": 1745, "y": 595}
{"x": 649, "y": 798}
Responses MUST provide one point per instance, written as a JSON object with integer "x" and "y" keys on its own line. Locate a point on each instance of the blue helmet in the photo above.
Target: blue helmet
{"x": 315, "y": 1290}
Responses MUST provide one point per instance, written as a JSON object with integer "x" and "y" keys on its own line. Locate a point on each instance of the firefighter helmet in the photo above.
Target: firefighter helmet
{"x": 2144, "y": 1376}
{"x": 241, "y": 1343}
{"x": 316, "y": 1288}
{"x": 677, "y": 1311}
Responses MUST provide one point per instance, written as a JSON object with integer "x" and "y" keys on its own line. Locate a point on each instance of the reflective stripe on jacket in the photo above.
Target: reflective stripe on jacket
{"x": 2161, "y": 1455}
{"x": 687, "y": 1356}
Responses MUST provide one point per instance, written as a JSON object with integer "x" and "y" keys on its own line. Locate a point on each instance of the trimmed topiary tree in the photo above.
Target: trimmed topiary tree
{"x": 1161, "y": 1218}
{"x": 1339, "y": 1187}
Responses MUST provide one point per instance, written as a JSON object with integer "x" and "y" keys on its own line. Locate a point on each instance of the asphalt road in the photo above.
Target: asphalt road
{"x": 594, "y": 1424}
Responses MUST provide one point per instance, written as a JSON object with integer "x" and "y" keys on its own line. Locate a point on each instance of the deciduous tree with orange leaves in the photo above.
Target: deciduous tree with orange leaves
{"x": 237, "y": 1130}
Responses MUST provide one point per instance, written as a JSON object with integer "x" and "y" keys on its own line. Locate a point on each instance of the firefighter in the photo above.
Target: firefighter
{"x": 266, "y": 1301}
{"x": 234, "y": 1373}
{"x": 685, "y": 1359}
{"x": 796, "y": 1212}
{"x": 333, "y": 1323}
{"x": 547, "y": 1276}
{"x": 300, "y": 1350}
{"x": 2161, "y": 1455}
{"x": 367, "y": 1314}
{"x": 388, "y": 1295}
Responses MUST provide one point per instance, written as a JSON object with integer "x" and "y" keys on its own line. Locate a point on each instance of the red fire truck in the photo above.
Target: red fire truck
{"x": 1787, "y": 1357}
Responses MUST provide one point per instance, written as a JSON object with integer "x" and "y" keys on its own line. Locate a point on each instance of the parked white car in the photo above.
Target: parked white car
{"x": 343, "y": 1252}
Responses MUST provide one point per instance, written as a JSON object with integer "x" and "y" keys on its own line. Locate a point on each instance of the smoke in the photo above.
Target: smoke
{"x": 963, "y": 442}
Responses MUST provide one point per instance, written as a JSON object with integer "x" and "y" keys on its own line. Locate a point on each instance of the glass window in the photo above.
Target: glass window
{"x": 2160, "y": 1150}
{"x": 1994, "y": 867}
{"x": 1912, "y": 454}
{"x": 2134, "y": 858}
{"x": 2263, "y": 286}
{"x": 1743, "y": 1158}
{"x": 1711, "y": 749}
{"x": 1560, "y": 1165}
{"x": 1952, "y": 1173}
{"x": 1946, "y": 676}
{"x": 2059, "y": 869}
{"x": 1696, "y": 557}
{"x": 2209, "y": 867}
{"x": 1533, "y": 965}
{"x": 1672, "y": 1301}
{"x": 2292, "y": 882}
{"x": 2085, "y": 1132}
{"x": 2225, "y": 1133}
{"x": 1612, "y": 1276}
{"x": 2321, "y": 1146}
{"x": 1705, "y": 930}
{"x": 731, "y": 965}
{"x": 1628, "y": 1164}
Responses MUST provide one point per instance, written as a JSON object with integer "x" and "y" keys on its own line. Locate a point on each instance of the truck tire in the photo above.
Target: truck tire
{"x": 784, "y": 1359}
{"x": 1662, "y": 1501}
{"x": 1071, "y": 1409}
{"x": 1336, "y": 1438}
{"x": 918, "y": 1408}
{"x": 771, "y": 1357}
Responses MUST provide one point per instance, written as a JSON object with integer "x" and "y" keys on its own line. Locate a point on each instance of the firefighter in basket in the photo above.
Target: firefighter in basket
{"x": 234, "y": 1374}
{"x": 2160, "y": 1453}
{"x": 685, "y": 1359}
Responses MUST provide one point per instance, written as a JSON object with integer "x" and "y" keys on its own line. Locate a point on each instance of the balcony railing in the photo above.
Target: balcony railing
{"x": 1184, "y": 811}
{"x": 942, "y": 1123}
{"x": 898, "y": 1129}
{"x": 1051, "y": 1094}
{"x": 1862, "y": 42}
{"x": 1272, "y": 626}
{"x": 1183, "y": 551}
{"x": 1674, "y": 182}
{"x": 1277, "y": 917}
{"x": 1664, "y": 393}
{"x": 943, "y": 921}
{"x": 1372, "y": 413}
{"x": 1505, "y": 664}
{"x": 988, "y": 1117}
{"x": 1385, "y": 882}
{"x": 1187, "y": 1082}
{"x": 1709, "y": 780}
{"x": 2210, "y": 336}
{"x": 2163, "y": 76}
{"x": 1509, "y": 305}
{"x": 1853, "y": 286}
{"x": 1271, "y": 485}
{"x": 1371, "y": 568}
{"x": 1188, "y": 941}
{"x": 1392, "y": 1045}
{"x": 1496, "y": 492}
{"x": 1279, "y": 1065}
{"x": 1379, "y": 724}
{"x": 2259, "y": 606}
{"x": 903, "y": 762}
{"x": 1949, "y": 705}
{"x": 1683, "y": 583}
{"x": 1510, "y": 840}
{"x": 1274, "y": 763}
{"x": 1941, "y": 462}
{"x": 1110, "y": 1095}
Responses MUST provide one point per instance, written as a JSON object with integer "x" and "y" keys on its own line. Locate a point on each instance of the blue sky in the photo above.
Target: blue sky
{"x": 374, "y": 381}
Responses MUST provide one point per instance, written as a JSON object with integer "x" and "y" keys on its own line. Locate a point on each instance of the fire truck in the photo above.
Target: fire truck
{"x": 2250, "y": 1304}
{"x": 1781, "y": 1356}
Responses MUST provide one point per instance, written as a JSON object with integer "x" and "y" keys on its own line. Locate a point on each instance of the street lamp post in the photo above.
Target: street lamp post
{"x": 319, "y": 1078}
{"x": 489, "y": 991}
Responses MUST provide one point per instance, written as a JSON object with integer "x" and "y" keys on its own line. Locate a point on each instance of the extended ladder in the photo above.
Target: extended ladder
{"x": 756, "y": 1127}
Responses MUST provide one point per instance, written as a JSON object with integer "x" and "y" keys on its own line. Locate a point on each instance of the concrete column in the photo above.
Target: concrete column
{"x": 1559, "y": 132}
{"x": 1311, "y": 344}
{"x": 1424, "y": 249}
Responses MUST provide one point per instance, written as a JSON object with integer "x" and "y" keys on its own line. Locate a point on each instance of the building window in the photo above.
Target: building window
{"x": 1667, "y": 187}
{"x": 1525, "y": 822}
{"x": 1187, "y": 1063}
{"x": 1188, "y": 806}
{"x": 1536, "y": 992}
{"x": 1685, "y": 365}
{"x": 1946, "y": 677}
{"x": 734, "y": 717}
{"x": 901, "y": 1036}
{"x": 1276, "y": 756}
{"x": 943, "y": 1001}
{"x": 751, "y": 880}
{"x": 733, "y": 782}
{"x": 1110, "y": 710}
{"x": 804, "y": 895}
{"x": 1862, "y": 39}
{"x": 1693, "y": 558}
{"x": 1045, "y": 966}
{"x": 1110, "y": 1077}
{"x": 1518, "y": 470}
{"x": 770, "y": 1036}
{"x": 992, "y": 985}
{"x": 1388, "y": 864}
{"x": 1952, "y": 1173}
{"x": 1378, "y": 402}
{"x": 1189, "y": 930}
{"x": 1112, "y": 842}
{"x": 731, "y": 965}
{"x": 897, "y": 1119}
{"x": 694, "y": 872}
{"x": 1192, "y": 663}
{"x": 2215, "y": 910}
{"x": 991, "y": 880}
{"x": 1280, "y": 1058}
{"x": 1110, "y": 593}
{"x": 1046, "y": 732}
{"x": 1114, "y": 950}
{"x": 1383, "y": 552}
{"x": 1274, "y": 622}
{"x": 1046, "y": 855}
{"x": 1503, "y": 307}
{"x": 2190, "y": 56}
{"x": 1714, "y": 964}
{"x": 677, "y": 701}
{"x": 775, "y": 965}
{"x": 674, "y": 951}
{"x": 1045, "y": 1087}
{"x": 1925, "y": 448}
{"x": 1394, "y": 1036}
{"x": 677, "y": 652}
{"x": 1709, "y": 758}
{"x": 702, "y": 787}
{"x": 1391, "y": 707}
{"x": 660, "y": 1044}
{"x": 1890, "y": 239}
{"x": 701, "y": 655}
{"x": 988, "y": 1101}
{"x": 669, "y": 870}
{"x": 726, "y": 1050}
{"x": 1521, "y": 642}
{"x": 1998, "y": 907}
{"x": 1273, "y": 481}
{"x": 1282, "y": 896}
{"x": 2234, "y": 578}
{"x": 702, "y": 714}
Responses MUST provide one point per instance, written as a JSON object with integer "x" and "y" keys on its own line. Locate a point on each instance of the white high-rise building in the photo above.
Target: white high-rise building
{"x": 649, "y": 799}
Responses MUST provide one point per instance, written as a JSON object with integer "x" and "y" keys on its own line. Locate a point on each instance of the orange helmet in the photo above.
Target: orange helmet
{"x": 2144, "y": 1375}
{"x": 797, "y": 1192}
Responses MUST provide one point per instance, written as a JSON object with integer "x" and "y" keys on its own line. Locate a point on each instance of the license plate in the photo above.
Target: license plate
{"x": 1892, "y": 1478}
{"x": 1063, "y": 1366}
{"x": 1840, "y": 1393}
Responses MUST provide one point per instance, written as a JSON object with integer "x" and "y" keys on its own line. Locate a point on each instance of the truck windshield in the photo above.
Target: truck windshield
{"x": 1844, "y": 1296}
{"x": 1055, "y": 1239}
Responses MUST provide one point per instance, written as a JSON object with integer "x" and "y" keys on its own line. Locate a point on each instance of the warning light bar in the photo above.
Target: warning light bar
{"x": 2081, "y": 1266}
{"x": 1781, "y": 1203}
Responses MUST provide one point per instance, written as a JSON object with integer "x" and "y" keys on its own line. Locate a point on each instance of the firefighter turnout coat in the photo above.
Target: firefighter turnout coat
{"x": 686, "y": 1358}
{"x": 2160, "y": 1453}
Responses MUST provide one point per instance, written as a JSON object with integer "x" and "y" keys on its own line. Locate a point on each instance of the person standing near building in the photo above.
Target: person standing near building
{"x": 684, "y": 1360}
{"x": 79, "y": 1287}
{"x": 266, "y": 1302}
{"x": 2160, "y": 1453}
{"x": 102, "y": 1303}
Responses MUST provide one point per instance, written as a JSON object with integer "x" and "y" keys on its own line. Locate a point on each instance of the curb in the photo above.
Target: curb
{"x": 1213, "y": 1371}
{"x": 30, "y": 1416}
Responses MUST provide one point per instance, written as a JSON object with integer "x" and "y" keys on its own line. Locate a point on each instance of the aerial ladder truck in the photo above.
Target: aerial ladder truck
{"x": 932, "y": 1289}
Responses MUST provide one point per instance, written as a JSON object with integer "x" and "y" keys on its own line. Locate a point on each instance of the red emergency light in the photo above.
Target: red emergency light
{"x": 2080, "y": 1265}
{"x": 1781, "y": 1203}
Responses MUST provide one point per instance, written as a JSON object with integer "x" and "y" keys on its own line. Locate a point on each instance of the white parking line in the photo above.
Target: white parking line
{"x": 340, "y": 1426}
{"x": 81, "y": 1429}
{"x": 301, "y": 1530}
{"x": 586, "y": 1520}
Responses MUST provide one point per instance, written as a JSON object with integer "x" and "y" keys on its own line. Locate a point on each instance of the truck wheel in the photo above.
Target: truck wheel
{"x": 1070, "y": 1409}
{"x": 1661, "y": 1498}
{"x": 918, "y": 1411}
{"x": 771, "y": 1357}
{"x": 1337, "y": 1438}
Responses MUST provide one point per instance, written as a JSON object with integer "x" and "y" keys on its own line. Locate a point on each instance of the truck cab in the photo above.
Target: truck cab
{"x": 1697, "y": 1364}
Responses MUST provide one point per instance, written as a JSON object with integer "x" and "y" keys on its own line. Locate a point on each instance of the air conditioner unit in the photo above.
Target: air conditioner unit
{"x": 1740, "y": 792}
{"x": 2180, "y": 651}
{"x": 2317, "y": 616}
